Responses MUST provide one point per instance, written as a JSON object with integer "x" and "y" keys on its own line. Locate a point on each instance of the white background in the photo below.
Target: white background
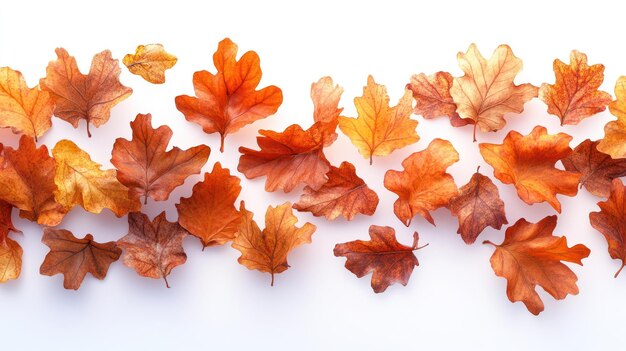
{"x": 453, "y": 299}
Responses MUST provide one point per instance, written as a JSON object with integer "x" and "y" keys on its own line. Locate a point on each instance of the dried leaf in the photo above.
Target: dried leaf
{"x": 529, "y": 256}
{"x": 90, "y": 97}
{"x": 528, "y": 163}
{"x": 146, "y": 168}
{"x": 486, "y": 92}
{"x": 150, "y": 62}
{"x": 74, "y": 257}
{"x": 153, "y": 248}
{"x": 610, "y": 221}
{"x": 344, "y": 194}
{"x": 575, "y": 95}
{"x": 10, "y": 250}
{"x": 614, "y": 141}
{"x": 228, "y": 100}
{"x": 424, "y": 185}
{"x": 433, "y": 99}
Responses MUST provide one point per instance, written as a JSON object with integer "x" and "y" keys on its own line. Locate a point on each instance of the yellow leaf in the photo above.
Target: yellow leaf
{"x": 150, "y": 62}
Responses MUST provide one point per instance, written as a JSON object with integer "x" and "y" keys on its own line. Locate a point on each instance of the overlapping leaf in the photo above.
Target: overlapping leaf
{"x": 614, "y": 141}
{"x": 433, "y": 99}
{"x": 611, "y": 222}
{"x": 10, "y": 250}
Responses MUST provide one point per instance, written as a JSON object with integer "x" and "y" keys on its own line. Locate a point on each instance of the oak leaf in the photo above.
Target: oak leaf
{"x": 80, "y": 181}
{"x": 529, "y": 256}
{"x": 267, "y": 250}
{"x": 433, "y": 99}
{"x": 528, "y": 162}
{"x": 614, "y": 141}
{"x": 228, "y": 100}
{"x": 146, "y": 168}
{"x": 380, "y": 129}
{"x": 150, "y": 62}
{"x": 344, "y": 194}
{"x": 210, "y": 213}
{"x": 478, "y": 206}
{"x": 10, "y": 250}
{"x": 25, "y": 110}
{"x": 486, "y": 92}
{"x": 90, "y": 97}
{"x": 575, "y": 93}
{"x": 74, "y": 257}
{"x": 153, "y": 248}
{"x": 424, "y": 185}
{"x": 390, "y": 261}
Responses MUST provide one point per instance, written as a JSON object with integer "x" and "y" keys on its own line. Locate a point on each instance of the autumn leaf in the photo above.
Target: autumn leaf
{"x": 228, "y": 100}
{"x": 267, "y": 250}
{"x": 528, "y": 163}
{"x": 74, "y": 257}
{"x": 529, "y": 256}
{"x": 597, "y": 169}
{"x": 390, "y": 261}
{"x": 90, "y": 97}
{"x": 424, "y": 185}
{"x": 153, "y": 248}
{"x": 10, "y": 250}
{"x": 486, "y": 92}
{"x": 609, "y": 221}
{"x": 146, "y": 168}
{"x": 478, "y": 206}
{"x": 27, "y": 182}
{"x": 296, "y": 156}
{"x": 433, "y": 99}
{"x": 25, "y": 110}
{"x": 344, "y": 194}
{"x": 614, "y": 141}
{"x": 210, "y": 213}
{"x": 80, "y": 181}
{"x": 575, "y": 93}
{"x": 380, "y": 129}
{"x": 150, "y": 62}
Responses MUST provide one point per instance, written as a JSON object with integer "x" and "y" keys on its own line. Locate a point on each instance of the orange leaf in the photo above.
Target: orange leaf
{"x": 529, "y": 256}
{"x": 575, "y": 93}
{"x": 90, "y": 97}
{"x": 10, "y": 250}
{"x": 610, "y": 221}
{"x": 614, "y": 141}
{"x": 424, "y": 185}
{"x": 228, "y": 100}
{"x": 528, "y": 163}
{"x": 150, "y": 62}
{"x": 433, "y": 99}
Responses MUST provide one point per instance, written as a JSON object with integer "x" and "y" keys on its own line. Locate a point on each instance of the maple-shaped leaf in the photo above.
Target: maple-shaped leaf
{"x": 74, "y": 257}
{"x": 486, "y": 92}
{"x": 344, "y": 194}
{"x": 614, "y": 141}
{"x": 424, "y": 185}
{"x": 433, "y": 99}
{"x": 528, "y": 161}
{"x": 146, "y": 168}
{"x": 90, "y": 97}
{"x": 597, "y": 169}
{"x": 150, "y": 62}
{"x": 529, "y": 256}
{"x": 380, "y": 129}
{"x": 575, "y": 93}
{"x": 478, "y": 206}
{"x": 25, "y": 110}
{"x": 210, "y": 213}
{"x": 296, "y": 156}
{"x": 611, "y": 222}
{"x": 390, "y": 261}
{"x": 80, "y": 181}
{"x": 153, "y": 248}
{"x": 27, "y": 182}
{"x": 228, "y": 100}
{"x": 10, "y": 250}
{"x": 267, "y": 250}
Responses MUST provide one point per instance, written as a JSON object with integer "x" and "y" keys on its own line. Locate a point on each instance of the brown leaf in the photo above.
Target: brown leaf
{"x": 614, "y": 141}
{"x": 344, "y": 194}
{"x": 390, "y": 261}
{"x": 424, "y": 185}
{"x": 10, "y": 250}
{"x": 210, "y": 213}
{"x": 433, "y": 99}
{"x": 529, "y": 256}
{"x": 267, "y": 250}
{"x": 528, "y": 163}
{"x": 90, "y": 97}
{"x": 74, "y": 257}
{"x": 150, "y": 62}
{"x": 610, "y": 221}
{"x": 153, "y": 248}
{"x": 228, "y": 100}
{"x": 575, "y": 95}
{"x": 146, "y": 168}
{"x": 477, "y": 206}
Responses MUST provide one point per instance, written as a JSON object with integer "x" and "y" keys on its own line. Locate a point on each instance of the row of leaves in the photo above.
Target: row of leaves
{"x": 46, "y": 187}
